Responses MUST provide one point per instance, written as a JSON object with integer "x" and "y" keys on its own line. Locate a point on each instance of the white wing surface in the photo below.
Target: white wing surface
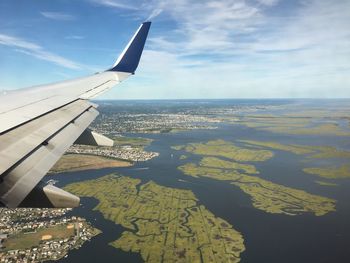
{"x": 38, "y": 124}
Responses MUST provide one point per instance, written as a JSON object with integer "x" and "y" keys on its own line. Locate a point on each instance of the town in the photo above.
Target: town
{"x": 168, "y": 116}
{"x": 36, "y": 235}
{"x": 116, "y": 123}
{"x": 119, "y": 152}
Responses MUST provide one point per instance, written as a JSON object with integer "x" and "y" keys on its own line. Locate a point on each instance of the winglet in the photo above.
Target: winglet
{"x": 130, "y": 57}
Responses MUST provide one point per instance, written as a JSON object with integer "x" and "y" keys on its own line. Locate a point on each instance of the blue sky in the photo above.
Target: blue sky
{"x": 196, "y": 49}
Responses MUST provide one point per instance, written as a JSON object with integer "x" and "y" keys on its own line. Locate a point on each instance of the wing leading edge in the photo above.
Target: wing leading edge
{"x": 38, "y": 124}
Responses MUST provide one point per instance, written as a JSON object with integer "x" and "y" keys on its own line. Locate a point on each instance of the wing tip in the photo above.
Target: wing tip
{"x": 130, "y": 57}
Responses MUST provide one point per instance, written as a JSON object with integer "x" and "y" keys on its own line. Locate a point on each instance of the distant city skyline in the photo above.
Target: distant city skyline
{"x": 196, "y": 49}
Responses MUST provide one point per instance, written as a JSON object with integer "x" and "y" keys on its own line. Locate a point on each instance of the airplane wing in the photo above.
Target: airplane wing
{"x": 38, "y": 124}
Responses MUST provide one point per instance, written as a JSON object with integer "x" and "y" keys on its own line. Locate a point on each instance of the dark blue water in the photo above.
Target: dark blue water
{"x": 268, "y": 237}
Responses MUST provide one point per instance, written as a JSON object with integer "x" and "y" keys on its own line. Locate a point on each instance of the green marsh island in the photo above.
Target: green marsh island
{"x": 226, "y": 161}
{"x": 313, "y": 153}
{"x": 162, "y": 224}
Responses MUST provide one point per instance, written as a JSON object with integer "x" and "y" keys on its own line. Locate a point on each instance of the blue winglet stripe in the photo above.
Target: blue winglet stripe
{"x": 131, "y": 57}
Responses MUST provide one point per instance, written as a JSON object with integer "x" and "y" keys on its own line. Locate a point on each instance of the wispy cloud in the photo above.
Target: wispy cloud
{"x": 156, "y": 12}
{"x": 239, "y": 48}
{"x": 58, "y": 16}
{"x": 75, "y": 37}
{"x": 202, "y": 26}
{"x": 223, "y": 48}
{"x": 35, "y": 50}
{"x": 268, "y": 2}
{"x": 117, "y": 4}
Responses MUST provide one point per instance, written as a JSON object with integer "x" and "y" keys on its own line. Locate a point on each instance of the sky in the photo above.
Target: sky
{"x": 195, "y": 49}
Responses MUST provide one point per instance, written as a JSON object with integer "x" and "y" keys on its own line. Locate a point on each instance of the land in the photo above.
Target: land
{"x": 330, "y": 172}
{"x": 311, "y": 153}
{"x": 168, "y": 116}
{"x": 265, "y": 195}
{"x": 293, "y": 148}
{"x": 126, "y": 153}
{"x": 213, "y": 162}
{"x": 291, "y": 125}
{"x": 146, "y": 119}
{"x": 320, "y": 152}
{"x": 290, "y": 118}
{"x": 162, "y": 224}
{"x": 80, "y": 162}
{"x": 36, "y": 235}
{"x": 300, "y": 119}
{"x": 160, "y": 123}
{"x": 226, "y": 150}
{"x": 325, "y": 183}
{"x": 183, "y": 157}
{"x": 25, "y": 240}
{"x": 138, "y": 142}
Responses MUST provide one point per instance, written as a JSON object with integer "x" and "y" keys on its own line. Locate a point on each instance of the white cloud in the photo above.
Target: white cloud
{"x": 75, "y": 37}
{"x": 32, "y": 49}
{"x": 17, "y": 42}
{"x": 156, "y": 12}
{"x": 235, "y": 49}
{"x": 58, "y": 16}
{"x": 116, "y": 4}
{"x": 268, "y": 2}
{"x": 210, "y": 25}
{"x": 201, "y": 25}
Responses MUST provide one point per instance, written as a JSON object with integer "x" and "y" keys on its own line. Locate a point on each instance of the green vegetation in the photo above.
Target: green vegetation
{"x": 79, "y": 162}
{"x": 330, "y": 172}
{"x": 183, "y": 157}
{"x": 25, "y": 240}
{"x": 227, "y": 150}
{"x": 322, "y": 129}
{"x": 176, "y": 130}
{"x": 339, "y": 111}
{"x": 328, "y": 152}
{"x": 266, "y": 122}
{"x": 219, "y": 163}
{"x": 296, "y": 149}
{"x": 278, "y": 124}
{"x": 137, "y": 142}
{"x": 177, "y": 147}
{"x": 319, "y": 152}
{"x": 267, "y": 196}
{"x": 164, "y": 224}
{"x": 325, "y": 183}
{"x": 296, "y": 124}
